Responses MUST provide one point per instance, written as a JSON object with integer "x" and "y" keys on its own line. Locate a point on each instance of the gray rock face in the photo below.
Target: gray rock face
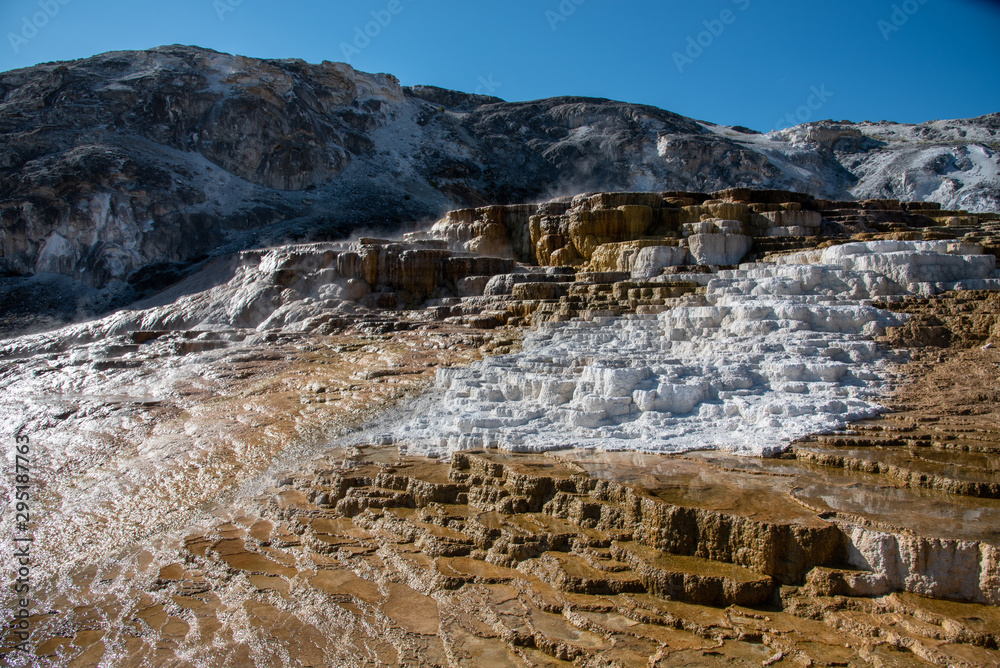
{"x": 719, "y": 249}
{"x": 131, "y": 159}
{"x": 127, "y": 159}
{"x": 651, "y": 260}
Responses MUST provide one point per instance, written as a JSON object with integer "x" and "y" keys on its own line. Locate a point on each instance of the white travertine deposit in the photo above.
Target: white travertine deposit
{"x": 770, "y": 353}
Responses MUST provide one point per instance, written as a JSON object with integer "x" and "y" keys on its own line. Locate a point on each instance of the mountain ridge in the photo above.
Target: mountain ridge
{"x": 134, "y": 159}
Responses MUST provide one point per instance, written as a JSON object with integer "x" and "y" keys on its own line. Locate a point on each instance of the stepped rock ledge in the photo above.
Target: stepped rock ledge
{"x": 318, "y": 369}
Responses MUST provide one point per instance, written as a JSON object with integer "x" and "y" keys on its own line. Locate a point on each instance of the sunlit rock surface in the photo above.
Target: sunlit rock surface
{"x": 124, "y": 170}
{"x": 231, "y": 472}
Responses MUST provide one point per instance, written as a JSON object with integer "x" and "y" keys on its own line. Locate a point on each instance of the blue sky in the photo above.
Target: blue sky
{"x": 748, "y": 62}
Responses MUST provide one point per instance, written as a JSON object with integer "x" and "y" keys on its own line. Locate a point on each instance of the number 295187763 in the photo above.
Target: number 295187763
{"x": 20, "y": 624}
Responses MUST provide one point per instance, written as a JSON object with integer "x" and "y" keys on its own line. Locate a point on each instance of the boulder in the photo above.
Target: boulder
{"x": 650, "y": 261}
{"x": 719, "y": 249}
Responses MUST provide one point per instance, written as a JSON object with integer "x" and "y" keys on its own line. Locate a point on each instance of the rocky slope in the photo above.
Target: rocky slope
{"x": 122, "y": 170}
{"x": 232, "y": 472}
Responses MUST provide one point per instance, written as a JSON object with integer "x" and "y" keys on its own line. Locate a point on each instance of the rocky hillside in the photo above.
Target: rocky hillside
{"x": 125, "y": 168}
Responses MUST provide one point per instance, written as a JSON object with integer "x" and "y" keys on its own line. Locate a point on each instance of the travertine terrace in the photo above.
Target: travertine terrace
{"x": 536, "y": 435}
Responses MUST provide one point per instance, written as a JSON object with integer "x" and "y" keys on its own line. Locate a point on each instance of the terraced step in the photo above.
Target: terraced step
{"x": 912, "y": 466}
{"x": 430, "y": 580}
{"x": 573, "y": 574}
{"x": 694, "y": 580}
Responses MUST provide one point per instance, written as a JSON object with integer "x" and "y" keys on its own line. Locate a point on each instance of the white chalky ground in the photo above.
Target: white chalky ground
{"x": 772, "y": 353}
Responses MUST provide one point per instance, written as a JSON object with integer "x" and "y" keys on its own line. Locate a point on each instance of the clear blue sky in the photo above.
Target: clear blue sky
{"x": 927, "y": 59}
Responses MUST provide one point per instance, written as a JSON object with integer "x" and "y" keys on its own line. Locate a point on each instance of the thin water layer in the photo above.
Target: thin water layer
{"x": 782, "y": 490}
{"x": 424, "y": 579}
{"x": 125, "y": 455}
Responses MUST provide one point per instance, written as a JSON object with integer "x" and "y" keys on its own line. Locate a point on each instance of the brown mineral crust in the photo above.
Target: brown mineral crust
{"x": 952, "y": 320}
{"x": 455, "y": 564}
{"x": 592, "y": 230}
{"x": 367, "y": 557}
{"x": 784, "y": 549}
{"x": 942, "y": 432}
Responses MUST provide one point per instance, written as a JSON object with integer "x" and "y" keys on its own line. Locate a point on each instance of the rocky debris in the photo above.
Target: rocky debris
{"x": 131, "y": 159}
